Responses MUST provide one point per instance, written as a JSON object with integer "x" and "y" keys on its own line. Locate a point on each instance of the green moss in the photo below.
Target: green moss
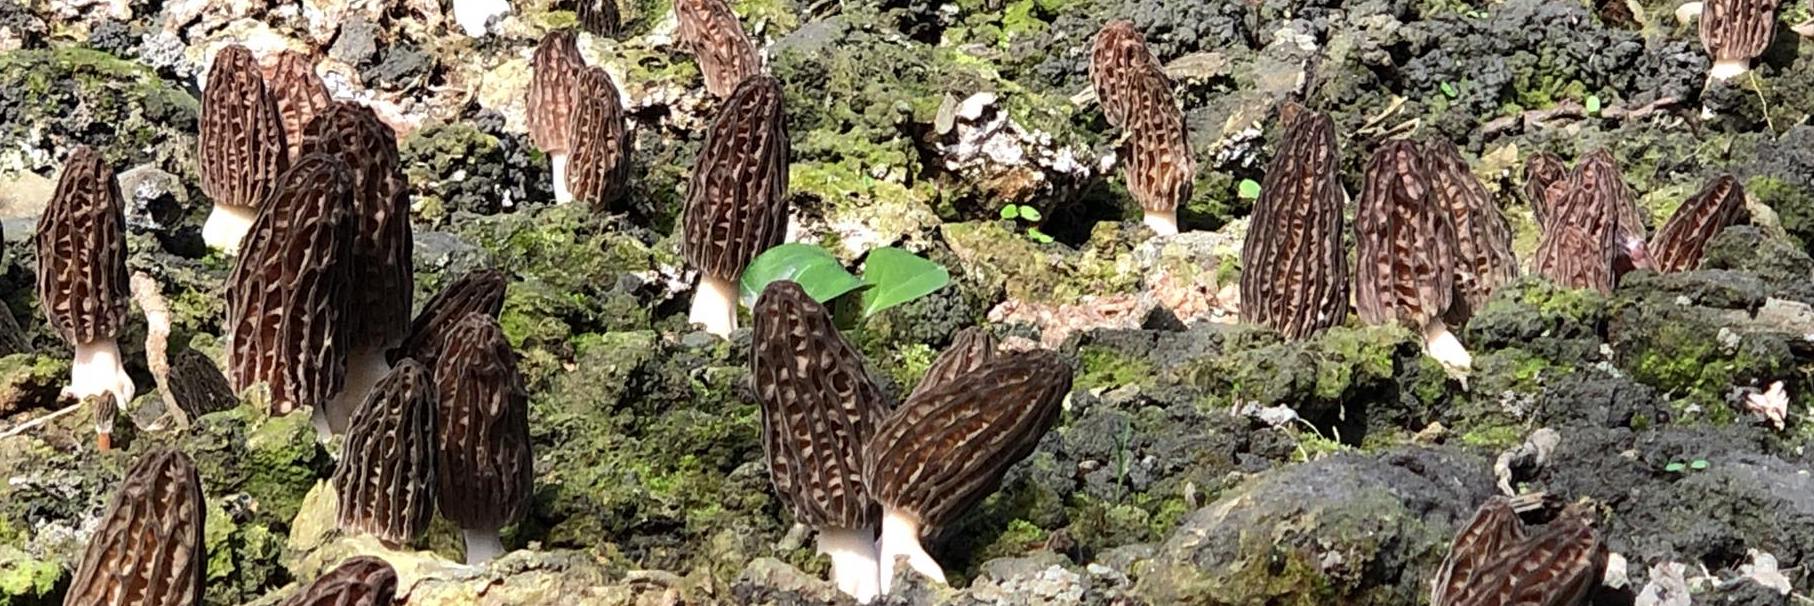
{"x": 26, "y": 580}
{"x": 283, "y": 462}
{"x": 31, "y": 380}
{"x": 1794, "y": 205}
{"x": 1017, "y": 540}
{"x": 139, "y": 116}
{"x": 1103, "y": 367}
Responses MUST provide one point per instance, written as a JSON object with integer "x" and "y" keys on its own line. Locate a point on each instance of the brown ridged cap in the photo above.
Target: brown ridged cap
{"x": 478, "y": 291}
{"x": 386, "y": 477}
{"x": 1120, "y": 68}
{"x": 300, "y": 96}
{"x": 81, "y": 245}
{"x": 1294, "y": 276}
{"x": 1559, "y": 566}
{"x": 1600, "y": 167}
{"x": 486, "y": 467}
{"x": 1404, "y": 268}
{"x": 1541, "y": 172}
{"x": 737, "y": 197}
{"x": 599, "y": 140}
{"x": 947, "y": 448}
{"x": 715, "y": 36}
{"x": 557, "y": 63}
{"x": 148, "y": 550}
{"x": 197, "y": 385}
{"x": 819, "y": 409}
{"x": 381, "y": 263}
{"x": 360, "y": 581}
{"x": 292, "y": 281}
{"x": 243, "y": 150}
{"x": 1737, "y": 30}
{"x": 972, "y": 348}
{"x": 1494, "y": 528}
{"x": 600, "y": 17}
{"x": 1578, "y": 249}
{"x": 1483, "y": 240}
{"x": 1682, "y": 241}
{"x": 1136, "y": 95}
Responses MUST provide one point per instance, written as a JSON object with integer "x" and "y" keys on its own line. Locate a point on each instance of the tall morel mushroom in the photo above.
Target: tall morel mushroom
{"x": 736, "y": 200}
{"x": 1493, "y": 563}
{"x": 1735, "y": 32}
{"x": 1542, "y": 174}
{"x": 477, "y": 291}
{"x": 715, "y": 36}
{"x": 819, "y": 408}
{"x": 557, "y": 65}
{"x": 972, "y": 348}
{"x": 387, "y": 473}
{"x": 1136, "y": 95}
{"x": 1629, "y": 239}
{"x": 1404, "y": 248}
{"x": 1483, "y": 241}
{"x": 1577, "y": 246}
{"x": 359, "y": 581}
{"x": 486, "y": 468}
{"x": 291, "y": 286}
{"x": 1678, "y": 246}
{"x": 947, "y": 448}
{"x": 242, "y": 146}
{"x": 599, "y": 140}
{"x": 1295, "y": 279}
{"x": 380, "y": 263}
{"x": 600, "y": 17}
{"x": 148, "y": 549}
{"x": 300, "y": 96}
{"x": 82, "y": 282}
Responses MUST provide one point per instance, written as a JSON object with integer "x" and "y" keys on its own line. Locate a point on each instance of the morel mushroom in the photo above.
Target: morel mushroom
{"x": 300, "y": 96}
{"x": 600, "y": 17}
{"x": 1630, "y": 251}
{"x": 557, "y": 64}
{"x": 477, "y": 291}
{"x": 1682, "y": 241}
{"x": 715, "y": 36}
{"x": 242, "y": 146}
{"x": 486, "y": 467}
{"x": 360, "y": 581}
{"x": 1542, "y": 172}
{"x": 82, "y": 284}
{"x": 380, "y": 264}
{"x": 1136, "y": 95}
{"x": 819, "y": 408}
{"x": 148, "y": 549}
{"x": 1734, "y": 32}
{"x": 1483, "y": 241}
{"x": 197, "y": 385}
{"x": 387, "y": 474}
{"x": 1494, "y": 528}
{"x": 947, "y": 448}
{"x": 972, "y": 348}
{"x": 1404, "y": 272}
{"x": 736, "y": 200}
{"x": 1561, "y": 565}
{"x": 599, "y": 140}
{"x": 1295, "y": 277}
{"x": 1595, "y": 234}
{"x": 287, "y": 293}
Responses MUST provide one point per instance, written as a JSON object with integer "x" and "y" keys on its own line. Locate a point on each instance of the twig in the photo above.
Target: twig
{"x": 1536, "y": 118}
{"x": 1759, "y": 89}
{"x": 29, "y": 425}
{"x": 150, "y": 297}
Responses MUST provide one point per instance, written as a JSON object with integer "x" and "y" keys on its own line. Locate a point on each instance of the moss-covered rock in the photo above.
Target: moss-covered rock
{"x": 30, "y": 381}
{"x": 1672, "y": 332}
{"x": 51, "y": 99}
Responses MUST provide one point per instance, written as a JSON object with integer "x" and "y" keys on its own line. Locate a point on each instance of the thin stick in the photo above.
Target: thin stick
{"x": 1759, "y": 89}
{"x": 150, "y": 297}
{"x": 28, "y": 425}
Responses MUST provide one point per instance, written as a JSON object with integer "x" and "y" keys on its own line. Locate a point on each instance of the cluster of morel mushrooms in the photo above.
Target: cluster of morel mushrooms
{"x": 309, "y": 195}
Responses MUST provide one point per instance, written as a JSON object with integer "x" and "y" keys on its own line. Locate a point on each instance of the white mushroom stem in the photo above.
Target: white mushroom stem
{"x": 901, "y": 539}
{"x": 227, "y": 226}
{"x": 1164, "y": 223}
{"x": 853, "y": 561}
{"x": 715, "y": 305}
{"x": 1727, "y": 69}
{"x": 558, "y": 161}
{"x": 99, "y": 369}
{"x": 364, "y": 368}
{"x": 482, "y": 545}
{"x": 1442, "y": 345}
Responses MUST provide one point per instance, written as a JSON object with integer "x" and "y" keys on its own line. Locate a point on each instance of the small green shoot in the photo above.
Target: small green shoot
{"x": 1448, "y": 90}
{"x": 1675, "y": 467}
{"x": 1248, "y": 189}
{"x": 1698, "y": 464}
{"x": 1593, "y": 105}
{"x": 1038, "y": 236}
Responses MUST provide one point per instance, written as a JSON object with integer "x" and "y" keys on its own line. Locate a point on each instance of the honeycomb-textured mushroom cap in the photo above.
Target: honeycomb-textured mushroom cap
{"x": 148, "y": 549}
{"x": 1483, "y": 240}
{"x": 1137, "y": 96}
{"x": 387, "y": 473}
{"x": 359, "y": 581}
{"x": 715, "y": 36}
{"x": 300, "y": 96}
{"x": 486, "y": 467}
{"x": 600, "y": 17}
{"x": 381, "y": 264}
{"x": 290, "y": 286}
{"x": 737, "y": 198}
{"x": 1120, "y": 67}
{"x": 1678, "y": 246}
{"x": 1494, "y": 528}
{"x": 477, "y": 291}
{"x": 1403, "y": 244}
{"x": 1560, "y": 565}
{"x": 557, "y": 64}
{"x": 242, "y": 146}
{"x": 197, "y": 385}
{"x": 1296, "y": 276}
{"x": 1578, "y": 248}
{"x": 599, "y": 140}
{"x": 81, "y": 246}
{"x": 971, "y": 349}
{"x": 1629, "y": 234}
{"x": 1735, "y": 32}
{"x": 1542, "y": 172}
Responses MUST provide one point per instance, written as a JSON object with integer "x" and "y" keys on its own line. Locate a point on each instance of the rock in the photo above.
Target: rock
{"x": 768, "y": 581}
{"x": 155, "y": 200}
{"x": 23, "y": 197}
{"x": 30, "y": 382}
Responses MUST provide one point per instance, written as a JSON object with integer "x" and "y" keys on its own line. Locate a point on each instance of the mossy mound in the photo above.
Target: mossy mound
{"x": 52, "y": 99}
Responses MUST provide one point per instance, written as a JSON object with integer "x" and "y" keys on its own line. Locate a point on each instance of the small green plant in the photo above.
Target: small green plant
{"x": 1248, "y": 189}
{"x": 891, "y": 276}
{"x": 1448, "y": 90}
{"x": 1679, "y": 467}
{"x": 1022, "y": 212}
{"x": 1593, "y": 105}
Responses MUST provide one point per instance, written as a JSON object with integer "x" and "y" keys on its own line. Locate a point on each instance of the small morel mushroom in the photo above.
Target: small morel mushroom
{"x": 1734, "y": 32}
{"x": 106, "y": 411}
{"x": 242, "y": 146}
{"x": 197, "y": 385}
{"x": 1404, "y": 248}
{"x": 972, "y": 348}
{"x": 1136, "y": 95}
{"x": 359, "y": 581}
{"x": 1559, "y": 566}
{"x": 287, "y": 293}
{"x": 148, "y": 548}
{"x": 1494, "y": 528}
{"x": 947, "y": 448}
{"x": 380, "y": 265}
{"x": 1682, "y": 241}
{"x": 1542, "y": 172}
{"x": 715, "y": 36}
{"x": 557, "y": 64}
{"x": 486, "y": 468}
{"x": 819, "y": 409}
{"x": 600, "y": 17}
{"x": 387, "y": 476}
{"x": 477, "y": 291}
{"x": 1630, "y": 251}
{"x": 737, "y": 199}
{"x": 1296, "y": 281}
{"x": 1577, "y": 246}
{"x": 300, "y": 96}
{"x": 1483, "y": 241}
{"x": 82, "y": 282}
{"x": 599, "y": 141}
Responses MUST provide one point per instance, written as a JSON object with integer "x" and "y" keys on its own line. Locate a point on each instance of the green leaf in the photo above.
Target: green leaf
{"x": 1449, "y": 90}
{"x": 896, "y": 276}
{"x": 813, "y": 268}
{"x": 1674, "y": 467}
{"x": 1038, "y": 236}
{"x": 1010, "y": 212}
{"x": 1698, "y": 464}
{"x": 1029, "y": 213}
{"x": 1593, "y": 105}
{"x": 1249, "y": 189}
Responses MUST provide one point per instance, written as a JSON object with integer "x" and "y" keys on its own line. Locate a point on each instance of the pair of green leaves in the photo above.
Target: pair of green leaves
{"x": 891, "y": 276}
